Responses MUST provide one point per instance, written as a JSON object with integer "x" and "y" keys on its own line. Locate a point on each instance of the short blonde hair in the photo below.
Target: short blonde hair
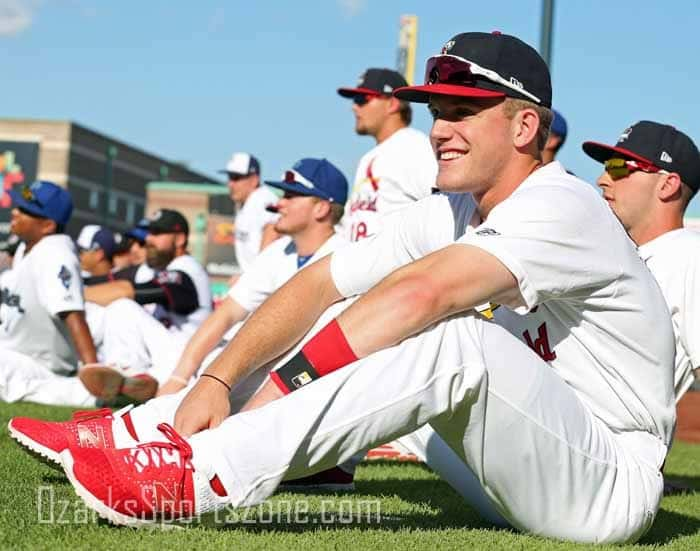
{"x": 513, "y": 105}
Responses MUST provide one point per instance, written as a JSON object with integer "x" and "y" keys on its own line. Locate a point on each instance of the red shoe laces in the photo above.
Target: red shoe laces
{"x": 86, "y": 415}
{"x": 155, "y": 454}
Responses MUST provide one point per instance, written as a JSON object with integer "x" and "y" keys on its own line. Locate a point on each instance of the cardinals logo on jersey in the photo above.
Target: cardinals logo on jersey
{"x": 65, "y": 276}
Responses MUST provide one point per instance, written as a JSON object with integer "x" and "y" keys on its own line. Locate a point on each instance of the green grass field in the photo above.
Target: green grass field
{"x": 394, "y": 506}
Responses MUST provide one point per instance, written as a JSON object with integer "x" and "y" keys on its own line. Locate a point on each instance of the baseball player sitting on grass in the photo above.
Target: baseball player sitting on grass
{"x": 400, "y": 169}
{"x": 561, "y": 407}
{"x": 315, "y": 192}
{"x": 96, "y": 246}
{"x": 649, "y": 178}
{"x": 43, "y": 332}
{"x": 140, "y": 349}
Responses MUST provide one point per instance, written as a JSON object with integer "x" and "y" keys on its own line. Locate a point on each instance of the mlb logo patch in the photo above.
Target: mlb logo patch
{"x": 65, "y": 276}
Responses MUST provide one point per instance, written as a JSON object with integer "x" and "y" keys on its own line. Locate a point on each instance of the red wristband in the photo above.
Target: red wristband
{"x": 329, "y": 350}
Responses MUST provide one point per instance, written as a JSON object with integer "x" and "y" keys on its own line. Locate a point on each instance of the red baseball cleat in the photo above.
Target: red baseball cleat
{"x": 151, "y": 483}
{"x": 87, "y": 429}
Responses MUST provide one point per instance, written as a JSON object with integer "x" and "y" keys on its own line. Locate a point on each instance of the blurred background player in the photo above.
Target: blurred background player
{"x": 254, "y": 224}
{"x": 134, "y": 340}
{"x": 400, "y": 169}
{"x": 96, "y": 246}
{"x": 43, "y": 332}
{"x": 557, "y": 137}
{"x": 308, "y": 212}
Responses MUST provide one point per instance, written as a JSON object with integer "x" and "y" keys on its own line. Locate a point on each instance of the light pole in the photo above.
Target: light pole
{"x": 546, "y": 31}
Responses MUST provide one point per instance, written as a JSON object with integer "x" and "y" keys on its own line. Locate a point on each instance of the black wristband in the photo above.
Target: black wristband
{"x": 296, "y": 373}
{"x": 216, "y": 379}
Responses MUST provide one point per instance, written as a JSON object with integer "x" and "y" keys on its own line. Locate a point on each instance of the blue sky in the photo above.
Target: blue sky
{"x": 194, "y": 81}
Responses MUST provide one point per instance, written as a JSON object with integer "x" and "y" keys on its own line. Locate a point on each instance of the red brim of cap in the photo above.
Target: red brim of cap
{"x": 421, "y": 94}
{"x": 602, "y": 152}
{"x": 352, "y": 92}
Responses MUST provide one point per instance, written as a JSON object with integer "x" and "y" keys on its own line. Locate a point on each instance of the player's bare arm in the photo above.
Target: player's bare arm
{"x": 106, "y": 293}
{"x": 202, "y": 343}
{"x": 451, "y": 280}
{"x": 80, "y": 334}
{"x": 270, "y": 332}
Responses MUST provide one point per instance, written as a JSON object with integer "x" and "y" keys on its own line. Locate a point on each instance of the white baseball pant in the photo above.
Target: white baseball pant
{"x": 545, "y": 462}
{"x": 135, "y": 339}
{"x": 22, "y": 378}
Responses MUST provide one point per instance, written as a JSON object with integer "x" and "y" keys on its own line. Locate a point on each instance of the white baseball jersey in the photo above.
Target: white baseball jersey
{"x": 42, "y": 284}
{"x": 272, "y": 268}
{"x": 398, "y": 171}
{"x": 674, "y": 259}
{"x": 587, "y": 300}
{"x": 249, "y": 223}
{"x": 189, "y": 322}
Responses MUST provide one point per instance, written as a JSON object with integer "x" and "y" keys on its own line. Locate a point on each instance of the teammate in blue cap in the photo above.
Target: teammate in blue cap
{"x": 43, "y": 332}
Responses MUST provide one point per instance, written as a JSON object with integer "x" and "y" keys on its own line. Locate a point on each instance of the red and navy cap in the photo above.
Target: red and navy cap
{"x": 658, "y": 144}
{"x": 484, "y": 65}
{"x": 375, "y": 81}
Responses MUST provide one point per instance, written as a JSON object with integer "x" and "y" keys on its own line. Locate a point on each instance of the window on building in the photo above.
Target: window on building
{"x": 112, "y": 205}
{"x": 94, "y": 200}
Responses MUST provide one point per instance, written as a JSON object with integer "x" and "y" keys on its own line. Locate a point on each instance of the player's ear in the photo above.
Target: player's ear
{"x": 669, "y": 187}
{"x": 48, "y": 226}
{"x": 394, "y": 105}
{"x": 180, "y": 240}
{"x": 322, "y": 209}
{"x": 525, "y": 125}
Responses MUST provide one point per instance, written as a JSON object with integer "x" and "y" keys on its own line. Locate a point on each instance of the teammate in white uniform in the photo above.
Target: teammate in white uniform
{"x": 562, "y": 408}
{"x": 149, "y": 345}
{"x": 43, "y": 332}
{"x": 254, "y": 223}
{"x": 650, "y": 176}
{"x": 400, "y": 169}
{"x": 96, "y": 246}
{"x": 307, "y": 217}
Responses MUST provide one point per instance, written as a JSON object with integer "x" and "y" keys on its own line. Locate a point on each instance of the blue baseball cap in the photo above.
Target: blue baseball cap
{"x": 317, "y": 177}
{"x": 559, "y": 126}
{"x": 44, "y": 199}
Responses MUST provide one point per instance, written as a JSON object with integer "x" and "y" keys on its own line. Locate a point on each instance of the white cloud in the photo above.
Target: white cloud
{"x": 351, "y": 8}
{"x": 16, "y": 16}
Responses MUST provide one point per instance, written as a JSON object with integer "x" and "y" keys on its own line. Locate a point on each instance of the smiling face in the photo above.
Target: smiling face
{"x": 472, "y": 142}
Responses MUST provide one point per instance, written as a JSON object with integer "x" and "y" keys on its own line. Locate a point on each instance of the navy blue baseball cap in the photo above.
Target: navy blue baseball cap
{"x": 317, "y": 177}
{"x": 92, "y": 238}
{"x": 44, "y": 199}
{"x": 559, "y": 126}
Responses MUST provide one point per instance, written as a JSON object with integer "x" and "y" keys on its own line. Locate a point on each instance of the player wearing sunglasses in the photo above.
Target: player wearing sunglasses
{"x": 649, "y": 177}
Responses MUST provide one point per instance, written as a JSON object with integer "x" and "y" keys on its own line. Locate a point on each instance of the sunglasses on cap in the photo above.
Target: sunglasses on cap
{"x": 618, "y": 168}
{"x": 364, "y": 99}
{"x": 452, "y": 69}
{"x": 294, "y": 177}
